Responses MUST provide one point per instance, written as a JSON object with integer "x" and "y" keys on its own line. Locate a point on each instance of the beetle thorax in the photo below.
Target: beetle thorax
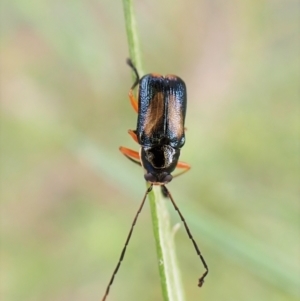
{"x": 159, "y": 162}
{"x": 160, "y": 157}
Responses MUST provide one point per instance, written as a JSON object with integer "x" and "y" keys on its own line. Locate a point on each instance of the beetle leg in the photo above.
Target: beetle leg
{"x": 133, "y": 101}
{"x": 133, "y": 135}
{"x": 184, "y": 166}
{"x": 130, "y": 154}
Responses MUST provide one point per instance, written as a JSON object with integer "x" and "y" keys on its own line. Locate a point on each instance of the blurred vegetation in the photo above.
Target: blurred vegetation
{"x": 68, "y": 196}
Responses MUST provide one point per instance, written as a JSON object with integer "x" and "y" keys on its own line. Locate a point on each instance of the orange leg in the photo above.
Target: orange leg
{"x": 133, "y": 101}
{"x": 133, "y": 135}
{"x": 130, "y": 154}
{"x": 184, "y": 166}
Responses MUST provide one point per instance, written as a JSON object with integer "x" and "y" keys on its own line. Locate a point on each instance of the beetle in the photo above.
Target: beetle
{"x": 160, "y": 132}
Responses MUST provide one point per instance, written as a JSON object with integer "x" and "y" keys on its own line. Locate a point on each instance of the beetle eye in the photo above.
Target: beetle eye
{"x": 167, "y": 179}
{"x": 149, "y": 177}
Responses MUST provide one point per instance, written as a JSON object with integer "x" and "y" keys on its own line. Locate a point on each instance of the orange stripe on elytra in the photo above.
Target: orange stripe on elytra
{"x": 155, "y": 113}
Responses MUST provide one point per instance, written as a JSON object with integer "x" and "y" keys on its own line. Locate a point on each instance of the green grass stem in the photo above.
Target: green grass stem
{"x": 168, "y": 269}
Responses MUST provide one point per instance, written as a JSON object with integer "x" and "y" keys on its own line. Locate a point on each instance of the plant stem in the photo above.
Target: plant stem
{"x": 168, "y": 269}
{"x": 167, "y": 264}
{"x": 132, "y": 35}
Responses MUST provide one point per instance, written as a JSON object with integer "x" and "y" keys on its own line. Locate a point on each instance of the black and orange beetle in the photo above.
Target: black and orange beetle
{"x": 161, "y": 109}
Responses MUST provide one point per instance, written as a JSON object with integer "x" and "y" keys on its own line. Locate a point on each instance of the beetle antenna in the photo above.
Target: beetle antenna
{"x": 126, "y": 243}
{"x": 201, "y": 279}
{"x": 130, "y": 64}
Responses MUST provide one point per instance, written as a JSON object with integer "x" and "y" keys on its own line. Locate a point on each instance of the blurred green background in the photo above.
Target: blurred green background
{"x": 68, "y": 196}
